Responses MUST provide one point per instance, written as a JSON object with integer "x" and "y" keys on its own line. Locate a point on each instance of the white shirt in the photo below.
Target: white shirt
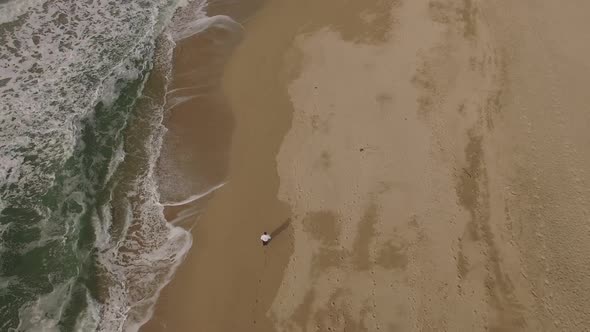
{"x": 265, "y": 237}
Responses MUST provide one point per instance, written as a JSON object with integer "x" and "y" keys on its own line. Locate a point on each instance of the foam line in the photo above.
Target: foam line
{"x": 193, "y": 198}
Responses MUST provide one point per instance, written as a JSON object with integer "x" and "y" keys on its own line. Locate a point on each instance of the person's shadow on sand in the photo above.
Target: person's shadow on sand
{"x": 280, "y": 229}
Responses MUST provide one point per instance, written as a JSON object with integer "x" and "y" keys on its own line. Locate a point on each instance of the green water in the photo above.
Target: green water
{"x": 49, "y": 239}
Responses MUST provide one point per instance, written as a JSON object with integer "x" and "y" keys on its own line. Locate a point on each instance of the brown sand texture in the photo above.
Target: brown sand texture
{"x": 432, "y": 159}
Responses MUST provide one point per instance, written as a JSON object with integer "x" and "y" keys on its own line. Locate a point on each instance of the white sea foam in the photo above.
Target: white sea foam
{"x": 187, "y": 214}
{"x": 157, "y": 247}
{"x": 40, "y": 316}
{"x": 88, "y": 320}
{"x": 176, "y": 101}
{"x": 194, "y": 27}
{"x": 11, "y": 10}
{"x": 144, "y": 260}
{"x": 195, "y": 197}
{"x": 59, "y": 60}
{"x": 56, "y": 63}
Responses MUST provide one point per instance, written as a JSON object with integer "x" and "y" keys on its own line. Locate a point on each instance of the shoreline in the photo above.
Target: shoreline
{"x": 242, "y": 289}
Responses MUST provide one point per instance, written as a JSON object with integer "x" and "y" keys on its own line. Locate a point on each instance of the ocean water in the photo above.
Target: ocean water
{"x": 84, "y": 243}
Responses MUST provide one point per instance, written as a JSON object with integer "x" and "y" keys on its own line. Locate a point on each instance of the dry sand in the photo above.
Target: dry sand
{"x": 431, "y": 157}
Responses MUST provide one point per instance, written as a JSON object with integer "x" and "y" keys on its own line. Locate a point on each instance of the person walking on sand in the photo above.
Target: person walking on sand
{"x": 265, "y": 238}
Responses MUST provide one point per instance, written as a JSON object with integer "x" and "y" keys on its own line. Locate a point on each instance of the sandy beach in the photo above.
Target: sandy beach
{"x": 421, "y": 165}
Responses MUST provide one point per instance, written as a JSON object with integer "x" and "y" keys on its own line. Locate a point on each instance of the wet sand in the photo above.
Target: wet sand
{"x": 424, "y": 162}
{"x": 228, "y": 281}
